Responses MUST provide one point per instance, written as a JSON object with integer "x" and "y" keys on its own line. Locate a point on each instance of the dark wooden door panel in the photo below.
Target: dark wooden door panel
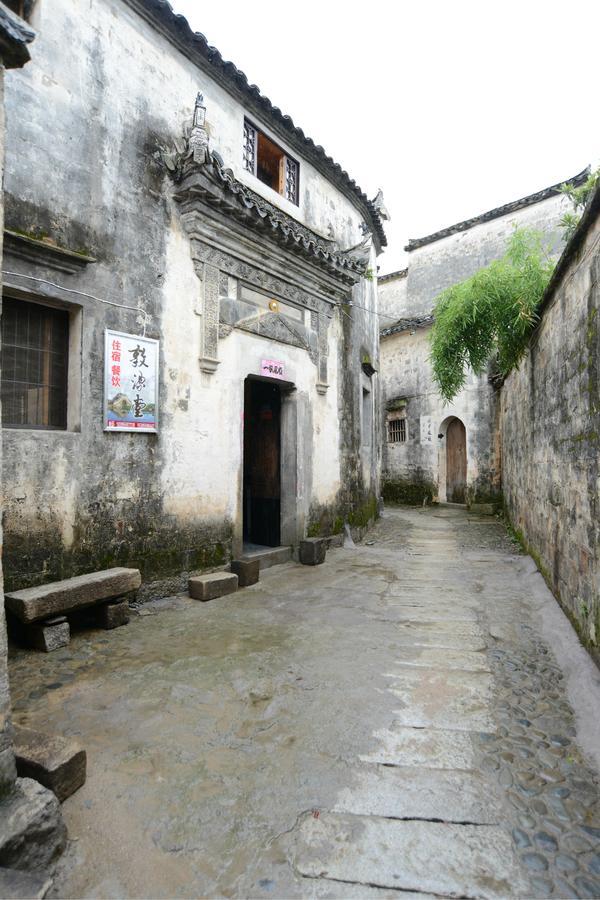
{"x": 456, "y": 462}
{"x": 262, "y": 463}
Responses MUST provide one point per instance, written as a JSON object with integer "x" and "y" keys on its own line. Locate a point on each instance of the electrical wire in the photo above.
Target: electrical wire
{"x": 61, "y": 287}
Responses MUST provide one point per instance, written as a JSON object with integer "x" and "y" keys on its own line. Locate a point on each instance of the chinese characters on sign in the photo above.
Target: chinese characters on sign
{"x": 272, "y": 368}
{"x": 130, "y": 383}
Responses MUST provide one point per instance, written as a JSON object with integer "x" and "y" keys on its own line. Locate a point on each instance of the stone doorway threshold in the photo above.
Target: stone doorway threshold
{"x": 267, "y": 556}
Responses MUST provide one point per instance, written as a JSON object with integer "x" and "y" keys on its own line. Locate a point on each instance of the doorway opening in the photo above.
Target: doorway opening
{"x": 456, "y": 462}
{"x": 262, "y": 464}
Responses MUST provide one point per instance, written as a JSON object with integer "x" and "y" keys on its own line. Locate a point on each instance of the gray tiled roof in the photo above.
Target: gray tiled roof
{"x": 196, "y": 47}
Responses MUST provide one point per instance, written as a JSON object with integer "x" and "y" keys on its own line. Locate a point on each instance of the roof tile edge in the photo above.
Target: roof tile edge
{"x": 161, "y": 12}
{"x": 497, "y": 212}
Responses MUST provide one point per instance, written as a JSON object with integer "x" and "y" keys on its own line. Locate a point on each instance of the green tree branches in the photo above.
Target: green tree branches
{"x": 490, "y": 314}
{"x": 579, "y": 197}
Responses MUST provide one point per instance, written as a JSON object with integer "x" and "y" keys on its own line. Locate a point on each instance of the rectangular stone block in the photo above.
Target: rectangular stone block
{"x": 49, "y": 635}
{"x": 247, "y": 571}
{"x": 37, "y": 603}
{"x": 313, "y": 551}
{"x": 209, "y": 587}
{"x": 56, "y": 762}
{"x": 112, "y": 614}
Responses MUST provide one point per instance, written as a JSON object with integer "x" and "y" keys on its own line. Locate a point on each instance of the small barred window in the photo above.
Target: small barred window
{"x": 396, "y": 431}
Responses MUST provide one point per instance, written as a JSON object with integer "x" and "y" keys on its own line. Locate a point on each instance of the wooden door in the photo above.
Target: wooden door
{"x": 456, "y": 462}
{"x": 262, "y": 463}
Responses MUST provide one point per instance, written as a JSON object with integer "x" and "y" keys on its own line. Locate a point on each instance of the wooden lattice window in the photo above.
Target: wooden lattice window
{"x": 396, "y": 430}
{"x": 35, "y": 347}
{"x": 265, "y": 159}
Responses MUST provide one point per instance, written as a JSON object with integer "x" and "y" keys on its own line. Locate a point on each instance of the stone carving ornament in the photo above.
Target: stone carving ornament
{"x": 205, "y": 191}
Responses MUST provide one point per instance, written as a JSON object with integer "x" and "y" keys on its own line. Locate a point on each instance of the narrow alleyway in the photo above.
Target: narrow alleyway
{"x": 392, "y": 721}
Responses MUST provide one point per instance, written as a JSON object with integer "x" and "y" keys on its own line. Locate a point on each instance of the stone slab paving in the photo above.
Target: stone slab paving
{"x": 434, "y": 748}
{"x": 415, "y": 855}
{"x": 388, "y": 724}
{"x": 406, "y": 792}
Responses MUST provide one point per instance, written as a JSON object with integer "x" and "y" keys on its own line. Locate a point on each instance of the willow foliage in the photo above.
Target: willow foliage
{"x": 491, "y": 314}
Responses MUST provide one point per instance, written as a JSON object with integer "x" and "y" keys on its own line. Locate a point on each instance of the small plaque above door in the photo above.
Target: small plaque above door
{"x": 272, "y": 368}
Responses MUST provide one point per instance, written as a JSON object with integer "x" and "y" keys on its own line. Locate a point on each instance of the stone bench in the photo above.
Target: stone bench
{"x": 43, "y": 609}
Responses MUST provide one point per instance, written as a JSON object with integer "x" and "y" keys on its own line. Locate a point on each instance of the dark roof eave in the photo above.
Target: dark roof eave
{"x": 15, "y": 34}
{"x": 211, "y": 181}
{"x": 497, "y": 213}
{"x": 235, "y": 81}
{"x": 391, "y": 276}
{"x": 591, "y": 213}
{"x": 403, "y": 325}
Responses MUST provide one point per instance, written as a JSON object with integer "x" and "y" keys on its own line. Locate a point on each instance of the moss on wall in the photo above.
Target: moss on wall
{"x": 327, "y": 520}
{"x": 33, "y": 559}
{"x": 586, "y": 622}
{"x": 405, "y": 491}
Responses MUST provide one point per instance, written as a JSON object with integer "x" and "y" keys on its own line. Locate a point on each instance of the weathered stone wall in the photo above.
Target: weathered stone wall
{"x": 90, "y": 178}
{"x": 550, "y": 421}
{"x": 436, "y": 266}
{"x": 415, "y": 470}
{"x": 392, "y": 297}
{"x": 8, "y": 772}
{"x": 412, "y": 470}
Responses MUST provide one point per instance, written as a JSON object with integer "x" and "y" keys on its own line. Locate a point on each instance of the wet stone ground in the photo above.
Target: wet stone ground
{"x": 391, "y": 723}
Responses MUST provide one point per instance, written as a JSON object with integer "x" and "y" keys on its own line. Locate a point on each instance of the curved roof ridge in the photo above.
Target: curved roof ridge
{"x": 234, "y": 77}
{"x": 497, "y": 212}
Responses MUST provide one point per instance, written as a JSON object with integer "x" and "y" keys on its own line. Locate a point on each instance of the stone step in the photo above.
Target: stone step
{"x": 269, "y": 556}
{"x": 56, "y": 762}
{"x": 59, "y": 597}
{"x": 434, "y": 857}
{"x": 18, "y": 885}
{"x": 247, "y": 571}
{"x": 213, "y": 585}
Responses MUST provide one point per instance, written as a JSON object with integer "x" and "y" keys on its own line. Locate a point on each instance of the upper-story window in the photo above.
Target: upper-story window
{"x": 269, "y": 163}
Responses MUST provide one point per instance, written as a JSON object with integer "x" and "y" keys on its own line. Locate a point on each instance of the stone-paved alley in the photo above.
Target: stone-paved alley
{"x": 394, "y": 720}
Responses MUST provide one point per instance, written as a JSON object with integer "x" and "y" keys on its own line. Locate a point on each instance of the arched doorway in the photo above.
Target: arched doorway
{"x": 456, "y": 462}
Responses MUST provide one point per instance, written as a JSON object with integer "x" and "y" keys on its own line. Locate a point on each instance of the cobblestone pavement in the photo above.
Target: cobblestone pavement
{"x": 392, "y": 723}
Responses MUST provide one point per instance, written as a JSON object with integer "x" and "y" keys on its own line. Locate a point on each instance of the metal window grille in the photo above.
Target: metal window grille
{"x": 35, "y": 345}
{"x": 291, "y": 180}
{"x": 249, "y": 149}
{"x": 397, "y": 431}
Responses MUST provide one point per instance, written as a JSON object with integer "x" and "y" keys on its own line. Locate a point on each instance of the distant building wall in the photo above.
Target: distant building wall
{"x": 415, "y": 468}
{"x": 550, "y": 424}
